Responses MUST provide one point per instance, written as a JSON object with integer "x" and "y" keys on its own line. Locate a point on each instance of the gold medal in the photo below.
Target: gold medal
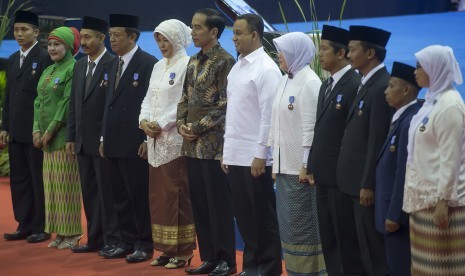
{"x": 33, "y": 72}
{"x": 422, "y": 128}
{"x": 392, "y": 148}
{"x": 55, "y": 86}
{"x": 290, "y": 107}
{"x": 135, "y": 83}
{"x": 360, "y": 112}
{"x": 171, "y": 82}
{"x": 338, "y": 106}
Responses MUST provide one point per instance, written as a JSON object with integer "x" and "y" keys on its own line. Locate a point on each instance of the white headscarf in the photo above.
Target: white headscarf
{"x": 443, "y": 70}
{"x": 297, "y": 48}
{"x": 177, "y": 33}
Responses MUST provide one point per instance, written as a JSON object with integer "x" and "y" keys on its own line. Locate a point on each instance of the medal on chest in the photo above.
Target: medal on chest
{"x": 290, "y": 106}
{"x": 360, "y": 108}
{"x": 34, "y": 67}
{"x": 338, "y": 101}
{"x": 392, "y": 147}
{"x": 135, "y": 77}
{"x": 172, "y": 76}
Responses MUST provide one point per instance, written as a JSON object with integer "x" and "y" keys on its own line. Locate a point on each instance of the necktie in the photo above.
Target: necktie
{"x": 90, "y": 68}
{"x": 119, "y": 72}
{"x": 21, "y": 60}
{"x": 359, "y": 87}
{"x": 329, "y": 87}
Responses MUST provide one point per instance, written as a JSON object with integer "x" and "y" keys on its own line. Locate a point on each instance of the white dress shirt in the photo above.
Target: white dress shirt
{"x": 96, "y": 61}
{"x": 438, "y": 168}
{"x": 371, "y": 73}
{"x": 160, "y": 105}
{"x": 251, "y": 89}
{"x": 127, "y": 58}
{"x": 292, "y": 129}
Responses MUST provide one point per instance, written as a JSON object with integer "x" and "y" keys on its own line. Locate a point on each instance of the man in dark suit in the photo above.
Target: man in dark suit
{"x": 86, "y": 107}
{"x": 367, "y": 127}
{"x": 336, "y": 96}
{"x": 23, "y": 72}
{"x": 123, "y": 142}
{"x": 390, "y": 220}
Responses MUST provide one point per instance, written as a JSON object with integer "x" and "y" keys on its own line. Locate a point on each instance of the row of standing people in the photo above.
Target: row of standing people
{"x": 300, "y": 108}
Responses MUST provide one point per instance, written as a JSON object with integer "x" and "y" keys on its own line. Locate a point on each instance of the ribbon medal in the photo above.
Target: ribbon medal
{"x": 172, "y": 76}
{"x": 291, "y": 100}
{"x": 56, "y": 81}
{"x": 360, "y": 106}
{"x": 135, "y": 83}
{"x": 425, "y": 121}
{"x": 392, "y": 148}
{"x": 34, "y": 67}
{"x": 338, "y": 101}
{"x": 105, "y": 80}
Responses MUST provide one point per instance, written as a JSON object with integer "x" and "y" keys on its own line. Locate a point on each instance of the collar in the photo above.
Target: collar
{"x": 98, "y": 58}
{"x": 338, "y": 75}
{"x": 207, "y": 54}
{"x": 250, "y": 58}
{"x": 128, "y": 56}
{"x": 401, "y": 110}
{"x": 27, "y": 51}
{"x": 371, "y": 73}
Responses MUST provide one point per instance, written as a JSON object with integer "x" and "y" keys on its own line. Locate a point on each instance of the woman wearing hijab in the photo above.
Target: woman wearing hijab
{"x": 173, "y": 228}
{"x": 291, "y": 135}
{"x": 434, "y": 184}
{"x": 61, "y": 180}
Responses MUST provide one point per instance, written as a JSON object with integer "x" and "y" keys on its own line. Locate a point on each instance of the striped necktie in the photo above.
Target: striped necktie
{"x": 119, "y": 72}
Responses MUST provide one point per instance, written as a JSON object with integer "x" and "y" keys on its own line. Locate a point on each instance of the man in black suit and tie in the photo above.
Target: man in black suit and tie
{"x": 336, "y": 96}
{"x": 367, "y": 126}
{"x": 23, "y": 72}
{"x": 87, "y": 102}
{"x": 123, "y": 142}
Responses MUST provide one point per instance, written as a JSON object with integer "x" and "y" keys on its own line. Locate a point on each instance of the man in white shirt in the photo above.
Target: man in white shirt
{"x": 252, "y": 84}
{"x": 367, "y": 126}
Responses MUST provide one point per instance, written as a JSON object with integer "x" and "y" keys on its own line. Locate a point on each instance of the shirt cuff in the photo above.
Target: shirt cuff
{"x": 306, "y": 154}
{"x": 261, "y": 152}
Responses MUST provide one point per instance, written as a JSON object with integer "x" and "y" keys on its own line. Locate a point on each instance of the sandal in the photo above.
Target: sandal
{"x": 57, "y": 241}
{"x": 70, "y": 241}
{"x": 161, "y": 261}
{"x": 179, "y": 262}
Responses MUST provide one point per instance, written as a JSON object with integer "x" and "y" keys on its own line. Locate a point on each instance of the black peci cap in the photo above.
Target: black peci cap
{"x": 27, "y": 17}
{"x": 124, "y": 20}
{"x": 335, "y": 34}
{"x": 369, "y": 34}
{"x": 405, "y": 72}
{"x": 95, "y": 24}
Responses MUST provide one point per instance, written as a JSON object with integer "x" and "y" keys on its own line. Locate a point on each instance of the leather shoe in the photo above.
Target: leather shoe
{"x": 223, "y": 269}
{"x": 139, "y": 256}
{"x": 38, "y": 237}
{"x": 16, "y": 236}
{"x": 105, "y": 249}
{"x": 116, "y": 253}
{"x": 84, "y": 248}
{"x": 204, "y": 268}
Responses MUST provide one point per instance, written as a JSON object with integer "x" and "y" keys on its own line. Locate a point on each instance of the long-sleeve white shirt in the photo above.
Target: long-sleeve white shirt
{"x": 252, "y": 85}
{"x": 292, "y": 129}
{"x": 160, "y": 105}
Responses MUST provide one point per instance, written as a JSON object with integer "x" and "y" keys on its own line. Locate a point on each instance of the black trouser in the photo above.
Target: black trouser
{"x": 327, "y": 198}
{"x": 27, "y": 186}
{"x": 212, "y": 209}
{"x": 100, "y": 214}
{"x": 254, "y": 205}
{"x": 129, "y": 184}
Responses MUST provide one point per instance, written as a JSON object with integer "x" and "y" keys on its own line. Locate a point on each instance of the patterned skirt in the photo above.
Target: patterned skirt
{"x": 298, "y": 226}
{"x": 62, "y": 194}
{"x": 173, "y": 229}
{"x": 438, "y": 251}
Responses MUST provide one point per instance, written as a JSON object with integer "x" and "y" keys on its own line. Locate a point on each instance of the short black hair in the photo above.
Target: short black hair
{"x": 214, "y": 20}
{"x": 255, "y": 23}
{"x": 131, "y": 31}
{"x": 338, "y": 46}
{"x": 380, "y": 52}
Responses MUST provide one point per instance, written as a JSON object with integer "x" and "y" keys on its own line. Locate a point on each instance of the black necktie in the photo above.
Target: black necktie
{"x": 21, "y": 60}
{"x": 90, "y": 68}
{"x": 329, "y": 87}
{"x": 119, "y": 72}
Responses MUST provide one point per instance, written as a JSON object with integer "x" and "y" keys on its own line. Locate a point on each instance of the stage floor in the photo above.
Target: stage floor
{"x": 410, "y": 33}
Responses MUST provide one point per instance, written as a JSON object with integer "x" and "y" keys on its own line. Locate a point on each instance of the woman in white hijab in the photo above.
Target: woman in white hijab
{"x": 434, "y": 184}
{"x": 291, "y": 136}
{"x": 173, "y": 228}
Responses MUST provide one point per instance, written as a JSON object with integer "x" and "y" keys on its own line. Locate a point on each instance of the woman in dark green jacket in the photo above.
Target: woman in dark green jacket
{"x": 61, "y": 180}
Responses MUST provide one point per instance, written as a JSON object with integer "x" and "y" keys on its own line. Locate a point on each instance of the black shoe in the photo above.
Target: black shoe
{"x": 38, "y": 237}
{"x": 116, "y": 253}
{"x": 17, "y": 235}
{"x": 105, "y": 249}
{"x": 223, "y": 269}
{"x": 84, "y": 248}
{"x": 139, "y": 256}
{"x": 204, "y": 268}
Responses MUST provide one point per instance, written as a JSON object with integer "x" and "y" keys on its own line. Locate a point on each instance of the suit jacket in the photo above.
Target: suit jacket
{"x": 86, "y": 107}
{"x": 390, "y": 172}
{"x": 329, "y": 128}
{"x": 121, "y": 133}
{"x": 367, "y": 126}
{"x": 21, "y": 91}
